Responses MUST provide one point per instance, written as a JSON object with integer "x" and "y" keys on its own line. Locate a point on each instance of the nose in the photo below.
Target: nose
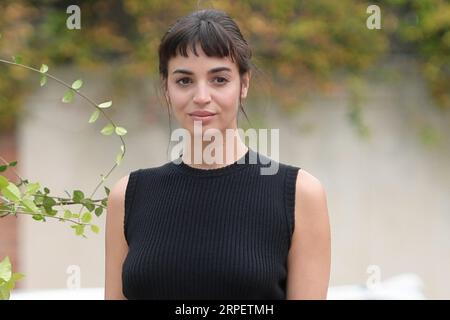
{"x": 202, "y": 95}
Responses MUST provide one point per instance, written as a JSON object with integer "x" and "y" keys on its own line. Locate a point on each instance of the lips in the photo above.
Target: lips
{"x": 202, "y": 113}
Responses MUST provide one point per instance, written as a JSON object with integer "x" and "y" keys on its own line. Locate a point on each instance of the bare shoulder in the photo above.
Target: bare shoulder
{"x": 309, "y": 255}
{"x": 309, "y": 187}
{"x": 118, "y": 189}
{"x": 115, "y": 211}
{"x": 116, "y": 247}
{"x": 116, "y": 196}
{"x": 310, "y": 202}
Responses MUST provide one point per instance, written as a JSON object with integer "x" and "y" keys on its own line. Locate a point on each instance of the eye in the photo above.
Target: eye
{"x": 223, "y": 80}
{"x": 185, "y": 81}
{"x": 181, "y": 80}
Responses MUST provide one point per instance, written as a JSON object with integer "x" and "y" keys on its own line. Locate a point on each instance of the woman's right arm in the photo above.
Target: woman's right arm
{"x": 116, "y": 247}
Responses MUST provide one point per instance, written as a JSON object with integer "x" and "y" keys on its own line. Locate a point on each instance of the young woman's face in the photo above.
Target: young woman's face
{"x": 202, "y": 83}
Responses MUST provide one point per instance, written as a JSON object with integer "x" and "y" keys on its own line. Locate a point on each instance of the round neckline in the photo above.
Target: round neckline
{"x": 237, "y": 165}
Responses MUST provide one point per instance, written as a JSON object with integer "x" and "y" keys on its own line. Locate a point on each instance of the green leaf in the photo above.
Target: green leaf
{"x": 3, "y": 182}
{"x": 9, "y": 285}
{"x": 105, "y": 105}
{"x": 94, "y": 116}
{"x": 107, "y": 191}
{"x": 68, "y": 96}
{"x": 79, "y": 229}
{"x": 38, "y": 217}
{"x": 119, "y": 158}
{"x": 12, "y": 164}
{"x": 30, "y": 206}
{"x": 32, "y": 188}
{"x": 11, "y": 192}
{"x": 67, "y": 214}
{"x": 95, "y": 229}
{"x": 98, "y": 211}
{"x": 44, "y": 68}
{"x": 77, "y": 84}
{"x": 86, "y": 217}
{"x": 108, "y": 129}
{"x": 17, "y": 276}
{"x": 3, "y": 168}
{"x": 52, "y": 212}
{"x": 46, "y": 190}
{"x": 78, "y": 196}
{"x": 48, "y": 203}
{"x": 5, "y": 269}
{"x": 17, "y": 59}
{"x": 88, "y": 204}
{"x": 121, "y": 131}
{"x": 43, "y": 80}
{"x": 38, "y": 198}
{"x": 4, "y": 291}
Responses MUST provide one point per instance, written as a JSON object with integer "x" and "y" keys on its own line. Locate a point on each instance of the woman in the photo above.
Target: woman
{"x": 196, "y": 230}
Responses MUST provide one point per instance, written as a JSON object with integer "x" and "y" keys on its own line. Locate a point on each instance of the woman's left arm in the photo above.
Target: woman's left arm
{"x": 309, "y": 259}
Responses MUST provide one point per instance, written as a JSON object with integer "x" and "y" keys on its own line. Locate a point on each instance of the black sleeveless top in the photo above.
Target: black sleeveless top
{"x": 219, "y": 233}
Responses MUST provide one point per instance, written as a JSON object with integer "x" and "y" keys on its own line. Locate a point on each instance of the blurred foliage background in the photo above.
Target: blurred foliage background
{"x": 299, "y": 45}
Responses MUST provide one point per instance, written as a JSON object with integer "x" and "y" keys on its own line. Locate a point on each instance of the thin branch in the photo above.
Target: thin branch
{"x": 87, "y": 99}
{"x": 44, "y": 215}
{"x": 14, "y": 170}
{"x": 63, "y": 199}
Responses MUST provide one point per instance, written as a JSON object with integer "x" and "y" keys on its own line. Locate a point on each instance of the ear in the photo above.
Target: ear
{"x": 245, "y": 84}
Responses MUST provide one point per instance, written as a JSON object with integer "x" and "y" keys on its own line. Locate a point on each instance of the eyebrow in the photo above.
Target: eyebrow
{"x": 213, "y": 70}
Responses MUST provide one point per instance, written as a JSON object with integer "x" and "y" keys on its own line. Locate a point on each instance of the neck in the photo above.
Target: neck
{"x": 213, "y": 155}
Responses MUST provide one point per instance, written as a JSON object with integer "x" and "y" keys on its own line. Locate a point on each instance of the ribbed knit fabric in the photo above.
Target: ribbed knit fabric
{"x": 221, "y": 233}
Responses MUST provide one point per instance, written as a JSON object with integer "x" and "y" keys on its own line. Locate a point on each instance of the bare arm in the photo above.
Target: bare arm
{"x": 310, "y": 254}
{"x": 116, "y": 247}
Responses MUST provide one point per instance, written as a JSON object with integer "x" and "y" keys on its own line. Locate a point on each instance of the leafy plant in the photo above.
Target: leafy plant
{"x": 7, "y": 278}
{"x": 35, "y": 200}
{"x": 300, "y": 45}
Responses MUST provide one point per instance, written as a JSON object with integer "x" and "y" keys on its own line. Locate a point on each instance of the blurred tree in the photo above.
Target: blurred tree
{"x": 300, "y": 45}
{"x": 424, "y": 31}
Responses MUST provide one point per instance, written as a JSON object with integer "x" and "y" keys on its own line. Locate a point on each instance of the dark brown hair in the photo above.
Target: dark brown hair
{"x": 217, "y": 34}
